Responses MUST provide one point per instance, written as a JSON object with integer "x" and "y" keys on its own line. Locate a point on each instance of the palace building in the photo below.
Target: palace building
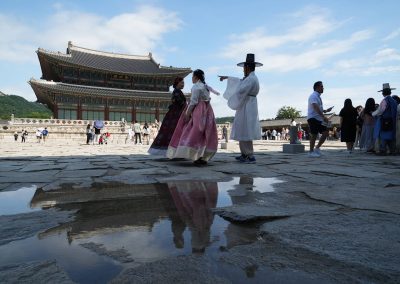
{"x": 87, "y": 84}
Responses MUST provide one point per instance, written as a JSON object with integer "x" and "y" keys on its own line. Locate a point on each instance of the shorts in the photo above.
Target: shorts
{"x": 316, "y": 126}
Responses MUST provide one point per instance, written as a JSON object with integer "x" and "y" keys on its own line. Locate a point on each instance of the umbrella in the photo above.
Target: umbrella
{"x": 99, "y": 124}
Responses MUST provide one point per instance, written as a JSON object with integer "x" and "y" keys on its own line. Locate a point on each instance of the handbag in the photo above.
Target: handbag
{"x": 386, "y": 124}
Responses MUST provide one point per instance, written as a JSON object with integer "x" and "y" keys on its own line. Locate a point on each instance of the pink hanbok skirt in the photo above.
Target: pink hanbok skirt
{"x": 198, "y": 137}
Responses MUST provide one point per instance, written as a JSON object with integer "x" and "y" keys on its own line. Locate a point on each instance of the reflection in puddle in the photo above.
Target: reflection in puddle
{"x": 122, "y": 226}
{"x": 16, "y": 202}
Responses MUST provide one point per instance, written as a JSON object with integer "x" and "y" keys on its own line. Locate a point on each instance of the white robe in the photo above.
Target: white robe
{"x": 241, "y": 96}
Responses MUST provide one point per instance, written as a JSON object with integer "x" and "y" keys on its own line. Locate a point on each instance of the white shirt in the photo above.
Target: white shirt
{"x": 315, "y": 98}
{"x": 199, "y": 93}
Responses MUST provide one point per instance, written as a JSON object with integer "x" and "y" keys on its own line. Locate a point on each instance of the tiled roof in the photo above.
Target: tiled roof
{"x": 96, "y": 91}
{"x": 112, "y": 62}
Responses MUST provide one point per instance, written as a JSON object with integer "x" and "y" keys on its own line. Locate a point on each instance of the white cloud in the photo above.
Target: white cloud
{"x": 136, "y": 32}
{"x": 16, "y": 40}
{"x": 384, "y": 61}
{"x": 392, "y": 35}
{"x": 305, "y": 53}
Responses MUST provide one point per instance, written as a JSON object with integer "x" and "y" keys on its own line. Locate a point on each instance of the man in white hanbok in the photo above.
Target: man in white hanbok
{"x": 242, "y": 97}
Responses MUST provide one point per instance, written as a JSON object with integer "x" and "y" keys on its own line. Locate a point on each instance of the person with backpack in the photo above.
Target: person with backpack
{"x": 385, "y": 125}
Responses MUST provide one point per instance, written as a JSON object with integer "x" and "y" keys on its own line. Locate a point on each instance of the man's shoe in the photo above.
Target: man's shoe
{"x": 239, "y": 157}
{"x": 314, "y": 154}
{"x": 251, "y": 160}
{"x": 318, "y": 151}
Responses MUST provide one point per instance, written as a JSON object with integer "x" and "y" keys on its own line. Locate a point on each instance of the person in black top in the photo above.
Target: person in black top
{"x": 348, "y": 124}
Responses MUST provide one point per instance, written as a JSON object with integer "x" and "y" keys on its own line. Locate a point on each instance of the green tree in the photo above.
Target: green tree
{"x": 286, "y": 112}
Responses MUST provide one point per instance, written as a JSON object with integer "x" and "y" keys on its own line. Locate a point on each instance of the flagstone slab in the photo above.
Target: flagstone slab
{"x": 82, "y": 173}
{"x": 268, "y": 206}
{"x": 28, "y": 177}
{"x": 34, "y": 272}
{"x": 366, "y": 238}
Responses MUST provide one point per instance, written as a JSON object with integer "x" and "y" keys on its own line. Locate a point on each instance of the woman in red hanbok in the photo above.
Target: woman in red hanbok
{"x": 195, "y": 136}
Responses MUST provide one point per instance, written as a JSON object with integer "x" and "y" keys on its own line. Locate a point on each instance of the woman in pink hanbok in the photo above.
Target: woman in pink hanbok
{"x": 195, "y": 135}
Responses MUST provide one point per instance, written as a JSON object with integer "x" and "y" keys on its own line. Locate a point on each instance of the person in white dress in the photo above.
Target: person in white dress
{"x": 242, "y": 97}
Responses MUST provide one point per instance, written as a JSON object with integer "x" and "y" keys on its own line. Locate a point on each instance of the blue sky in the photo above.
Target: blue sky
{"x": 352, "y": 46}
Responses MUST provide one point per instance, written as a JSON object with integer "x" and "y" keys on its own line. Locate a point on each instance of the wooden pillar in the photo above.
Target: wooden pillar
{"x": 107, "y": 111}
{"x": 79, "y": 110}
{"x": 55, "y": 110}
{"x": 133, "y": 111}
{"x": 158, "y": 110}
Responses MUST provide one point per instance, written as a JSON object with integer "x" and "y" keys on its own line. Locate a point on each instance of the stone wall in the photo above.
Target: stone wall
{"x": 69, "y": 130}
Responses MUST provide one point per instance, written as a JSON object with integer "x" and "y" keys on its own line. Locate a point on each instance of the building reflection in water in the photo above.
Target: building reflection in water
{"x": 102, "y": 211}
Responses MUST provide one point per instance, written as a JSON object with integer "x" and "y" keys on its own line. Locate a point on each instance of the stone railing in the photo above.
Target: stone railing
{"x": 60, "y": 128}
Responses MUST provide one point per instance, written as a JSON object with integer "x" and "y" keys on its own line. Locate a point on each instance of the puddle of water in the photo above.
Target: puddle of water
{"x": 142, "y": 223}
{"x": 16, "y": 202}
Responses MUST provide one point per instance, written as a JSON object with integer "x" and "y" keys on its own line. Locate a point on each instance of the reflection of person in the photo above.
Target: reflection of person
{"x": 195, "y": 136}
{"x": 385, "y": 123}
{"x": 315, "y": 118}
{"x": 242, "y": 97}
{"x": 178, "y": 99}
{"x": 194, "y": 202}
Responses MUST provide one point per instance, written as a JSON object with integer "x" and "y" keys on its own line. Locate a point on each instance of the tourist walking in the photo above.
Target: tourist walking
{"x": 242, "y": 97}
{"x": 359, "y": 125}
{"x": 315, "y": 118}
{"x": 38, "y": 135}
{"x": 88, "y": 134}
{"x": 16, "y": 136}
{"x": 129, "y": 136}
{"x": 146, "y": 133}
{"x": 45, "y": 133}
{"x": 24, "y": 134}
{"x": 367, "y": 142}
{"x": 348, "y": 124}
{"x": 195, "y": 136}
{"x": 385, "y": 125}
{"x": 138, "y": 132}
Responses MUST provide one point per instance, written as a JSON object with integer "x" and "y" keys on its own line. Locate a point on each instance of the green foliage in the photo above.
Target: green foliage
{"x": 222, "y": 120}
{"x": 286, "y": 112}
{"x": 20, "y": 107}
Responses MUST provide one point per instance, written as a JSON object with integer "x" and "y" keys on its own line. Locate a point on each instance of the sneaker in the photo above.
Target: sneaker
{"x": 251, "y": 160}
{"x": 239, "y": 157}
{"x": 318, "y": 151}
{"x": 247, "y": 160}
{"x": 314, "y": 154}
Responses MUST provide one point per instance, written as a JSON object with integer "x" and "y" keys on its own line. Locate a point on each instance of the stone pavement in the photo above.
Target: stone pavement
{"x": 333, "y": 219}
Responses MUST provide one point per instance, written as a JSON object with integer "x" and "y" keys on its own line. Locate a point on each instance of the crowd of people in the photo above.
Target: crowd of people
{"x": 41, "y": 135}
{"x": 374, "y": 128}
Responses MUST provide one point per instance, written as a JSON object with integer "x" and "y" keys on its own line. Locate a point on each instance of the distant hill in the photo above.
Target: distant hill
{"x": 221, "y": 120}
{"x": 22, "y": 108}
